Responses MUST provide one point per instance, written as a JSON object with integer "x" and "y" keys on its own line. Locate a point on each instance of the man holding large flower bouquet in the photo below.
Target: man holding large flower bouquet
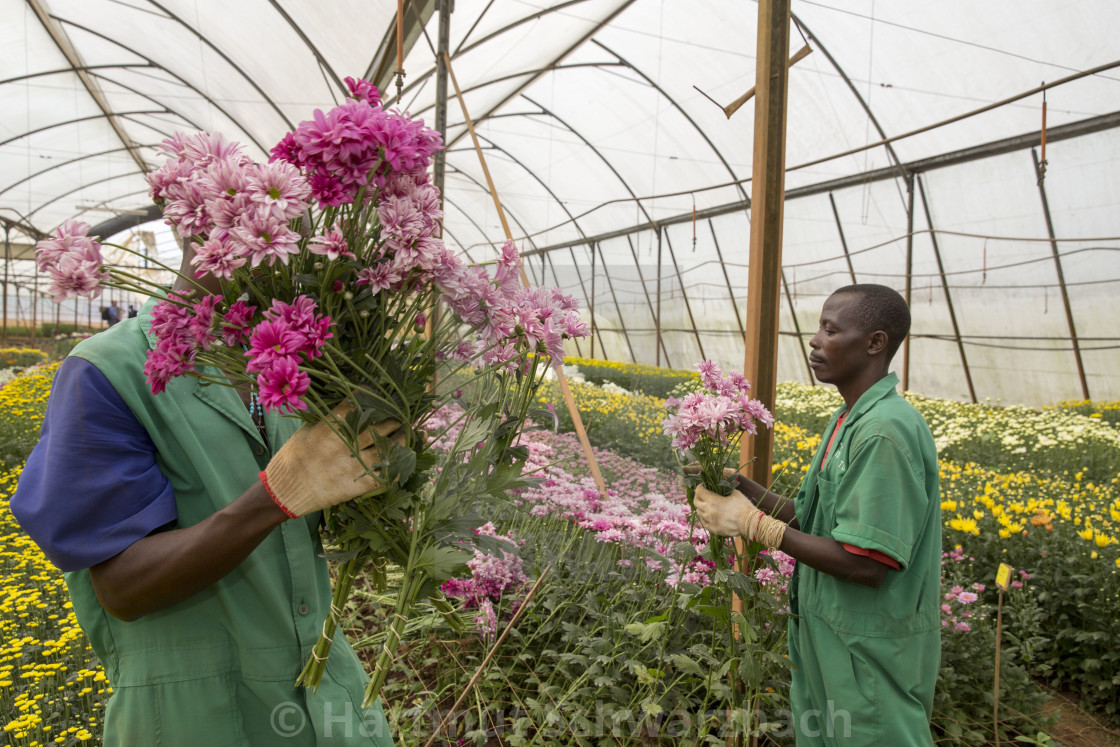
{"x": 865, "y": 529}
{"x": 280, "y": 388}
{"x": 198, "y": 593}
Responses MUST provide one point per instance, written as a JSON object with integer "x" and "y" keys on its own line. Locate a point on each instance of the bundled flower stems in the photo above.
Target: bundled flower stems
{"x": 315, "y": 277}
{"x": 706, "y": 428}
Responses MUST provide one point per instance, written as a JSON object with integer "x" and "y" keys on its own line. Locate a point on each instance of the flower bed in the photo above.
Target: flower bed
{"x": 612, "y": 644}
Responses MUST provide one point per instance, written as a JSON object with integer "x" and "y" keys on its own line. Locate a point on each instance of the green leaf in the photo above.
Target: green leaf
{"x": 647, "y": 632}
{"x": 442, "y": 562}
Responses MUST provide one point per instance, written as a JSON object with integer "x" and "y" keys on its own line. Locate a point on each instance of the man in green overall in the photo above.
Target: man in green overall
{"x": 189, "y": 531}
{"x": 865, "y": 529}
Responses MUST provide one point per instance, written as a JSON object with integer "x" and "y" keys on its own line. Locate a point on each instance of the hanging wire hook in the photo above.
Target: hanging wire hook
{"x": 694, "y": 224}
{"x": 1042, "y": 158}
{"x": 400, "y": 51}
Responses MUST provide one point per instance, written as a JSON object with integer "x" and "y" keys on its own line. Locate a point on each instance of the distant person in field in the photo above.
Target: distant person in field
{"x": 865, "y": 529}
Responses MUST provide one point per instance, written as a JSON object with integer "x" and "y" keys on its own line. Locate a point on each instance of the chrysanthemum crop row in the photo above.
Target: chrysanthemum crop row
{"x": 52, "y": 689}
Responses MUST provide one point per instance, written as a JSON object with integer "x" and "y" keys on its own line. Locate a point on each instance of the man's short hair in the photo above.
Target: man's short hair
{"x": 880, "y": 308}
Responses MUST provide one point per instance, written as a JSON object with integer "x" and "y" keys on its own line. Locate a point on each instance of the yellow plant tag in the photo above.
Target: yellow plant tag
{"x": 1003, "y": 576}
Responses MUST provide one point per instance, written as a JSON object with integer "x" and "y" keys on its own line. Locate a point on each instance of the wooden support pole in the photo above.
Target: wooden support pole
{"x": 564, "y": 388}
{"x": 767, "y": 202}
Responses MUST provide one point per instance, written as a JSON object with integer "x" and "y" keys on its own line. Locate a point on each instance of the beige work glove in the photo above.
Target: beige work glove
{"x": 315, "y": 469}
{"x": 693, "y": 468}
{"x": 735, "y": 514}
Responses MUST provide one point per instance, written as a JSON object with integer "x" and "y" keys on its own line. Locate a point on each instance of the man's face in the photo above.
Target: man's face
{"x": 839, "y": 348}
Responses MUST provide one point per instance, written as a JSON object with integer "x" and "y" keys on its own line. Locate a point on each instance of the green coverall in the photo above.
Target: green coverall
{"x": 219, "y": 669}
{"x": 865, "y": 660}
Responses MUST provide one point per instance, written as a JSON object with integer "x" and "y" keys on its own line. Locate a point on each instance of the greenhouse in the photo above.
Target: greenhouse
{"x": 695, "y": 179}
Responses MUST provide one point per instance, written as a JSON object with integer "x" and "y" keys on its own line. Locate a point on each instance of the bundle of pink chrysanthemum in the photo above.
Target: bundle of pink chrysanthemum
{"x": 330, "y": 274}
{"x": 706, "y": 428}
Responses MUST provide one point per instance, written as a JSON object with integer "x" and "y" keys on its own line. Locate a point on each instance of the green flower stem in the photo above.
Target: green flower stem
{"x": 313, "y": 670}
{"x": 393, "y": 636}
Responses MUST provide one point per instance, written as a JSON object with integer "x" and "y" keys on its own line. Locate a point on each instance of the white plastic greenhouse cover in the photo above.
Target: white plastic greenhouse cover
{"x": 621, "y": 177}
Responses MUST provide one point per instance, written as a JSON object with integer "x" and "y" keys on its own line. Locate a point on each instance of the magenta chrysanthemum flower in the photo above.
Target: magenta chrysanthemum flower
{"x": 171, "y": 317}
{"x": 302, "y": 317}
{"x": 235, "y": 325}
{"x": 282, "y": 386}
{"x": 271, "y": 341}
{"x": 202, "y": 321}
{"x": 171, "y": 357}
{"x": 363, "y": 90}
{"x": 354, "y": 145}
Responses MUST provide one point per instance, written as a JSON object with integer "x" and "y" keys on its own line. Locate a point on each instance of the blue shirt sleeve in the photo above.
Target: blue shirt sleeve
{"x": 91, "y": 486}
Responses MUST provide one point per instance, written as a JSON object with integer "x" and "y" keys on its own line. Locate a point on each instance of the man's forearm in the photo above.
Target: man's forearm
{"x": 168, "y": 567}
{"x": 773, "y": 504}
{"x": 829, "y": 556}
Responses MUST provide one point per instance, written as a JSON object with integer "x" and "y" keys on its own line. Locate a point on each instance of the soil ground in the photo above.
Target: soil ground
{"x": 1076, "y": 728}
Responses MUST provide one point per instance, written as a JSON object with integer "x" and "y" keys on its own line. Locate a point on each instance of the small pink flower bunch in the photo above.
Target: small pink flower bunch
{"x": 512, "y": 320}
{"x": 236, "y": 210}
{"x": 706, "y": 428}
{"x": 492, "y": 574}
{"x": 73, "y": 261}
{"x": 719, "y": 416}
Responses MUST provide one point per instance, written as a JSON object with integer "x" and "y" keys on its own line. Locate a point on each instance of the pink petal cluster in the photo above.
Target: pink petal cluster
{"x": 237, "y": 210}
{"x": 288, "y": 333}
{"x": 491, "y": 575}
{"x": 411, "y": 254}
{"x": 331, "y": 245}
{"x": 363, "y": 90}
{"x": 355, "y": 145}
{"x": 720, "y": 416}
{"x": 511, "y": 320}
{"x": 73, "y": 261}
{"x": 180, "y": 328}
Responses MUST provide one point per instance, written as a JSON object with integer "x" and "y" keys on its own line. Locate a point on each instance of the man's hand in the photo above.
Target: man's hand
{"x": 315, "y": 469}
{"x": 735, "y": 514}
{"x": 727, "y": 516}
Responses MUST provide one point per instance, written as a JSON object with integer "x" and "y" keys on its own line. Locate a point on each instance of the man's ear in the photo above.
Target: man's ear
{"x": 877, "y": 344}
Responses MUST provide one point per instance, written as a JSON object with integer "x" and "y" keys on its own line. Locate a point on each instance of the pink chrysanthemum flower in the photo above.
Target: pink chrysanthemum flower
{"x": 70, "y": 239}
{"x": 280, "y": 189}
{"x": 331, "y": 245}
{"x": 363, "y": 90}
{"x": 282, "y": 385}
{"x": 217, "y": 258}
{"x": 235, "y": 324}
{"x": 73, "y": 277}
{"x": 201, "y": 148}
{"x": 262, "y": 237}
{"x": 381, "y": 276}
{"x": 271, "y": 341}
